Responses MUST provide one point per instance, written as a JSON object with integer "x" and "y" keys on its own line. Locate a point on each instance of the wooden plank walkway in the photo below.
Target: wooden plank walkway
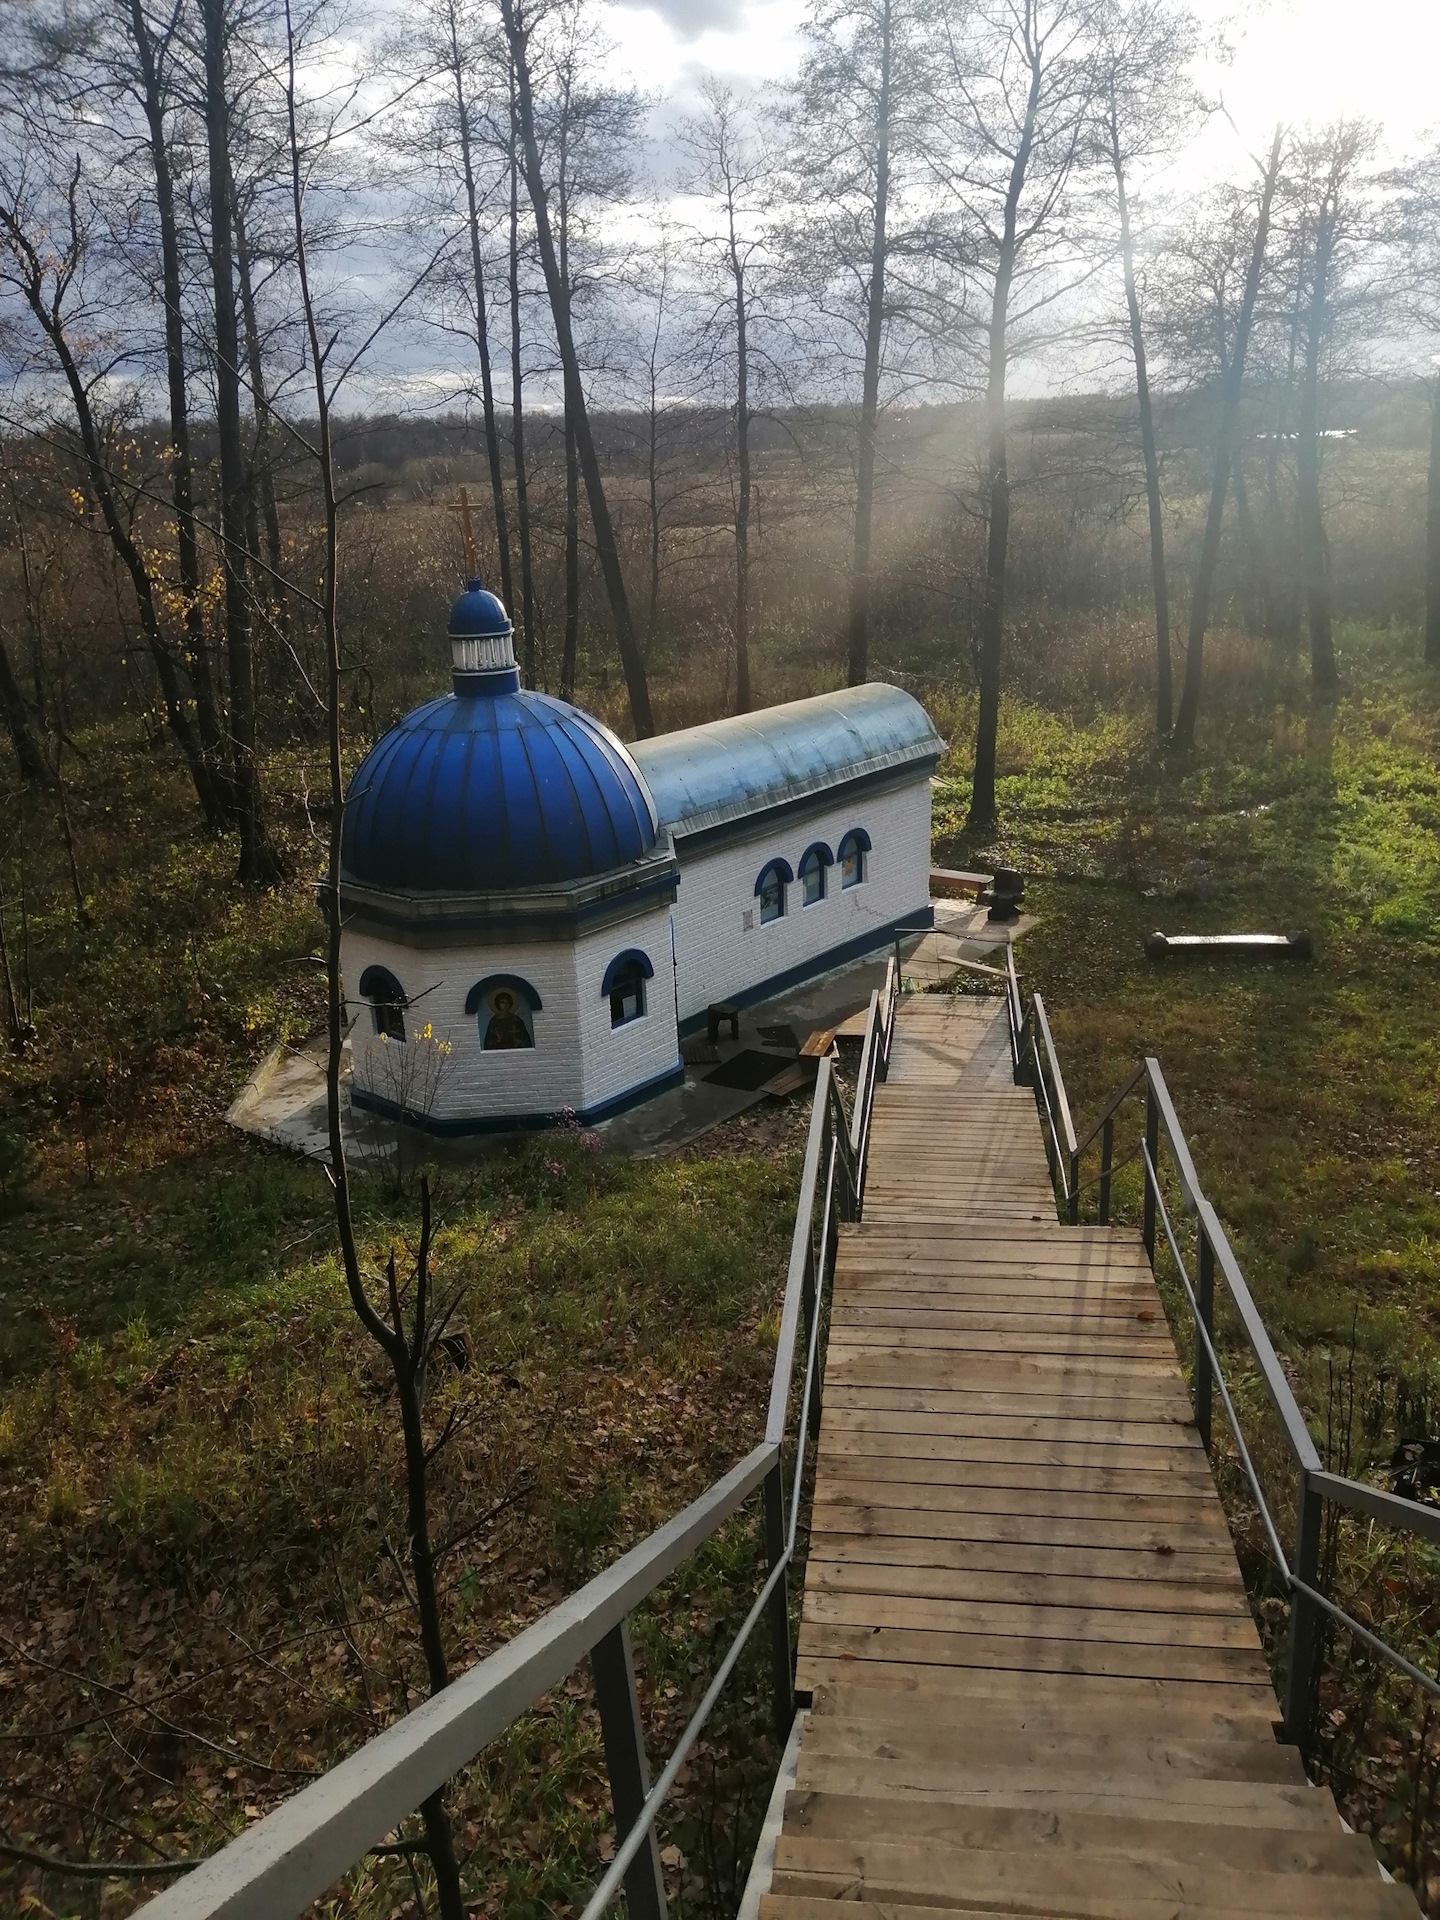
{"x": 1037, "y": 1685}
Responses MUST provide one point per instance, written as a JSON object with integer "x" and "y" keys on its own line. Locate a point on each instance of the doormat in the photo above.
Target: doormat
{"x": 747, "y": 1071}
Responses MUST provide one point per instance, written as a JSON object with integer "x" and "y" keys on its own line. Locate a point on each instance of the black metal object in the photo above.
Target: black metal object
{"x": 1296, "y": 946}
{"x": 613, "y": 1666}
{"x": 1005, "y": 893}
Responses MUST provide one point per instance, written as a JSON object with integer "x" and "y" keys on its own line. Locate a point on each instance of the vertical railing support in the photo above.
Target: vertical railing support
{"x": 1107, "y": 1156}
{"x": 613, "y": 1666}
{"x": 808, "y": 1294}
{"x": 1074, "y": 1207}
{"x": 781, "y": 1674}
{"x": 1304, "y": 1619}
{"x": 1152, "y": 1147}
{"x": 1204, "y": 1372}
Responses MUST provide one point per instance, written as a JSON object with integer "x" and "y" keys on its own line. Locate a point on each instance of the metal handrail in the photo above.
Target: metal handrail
{"x": 278, "y": 1866}
{"x": 1316, "y": 1483}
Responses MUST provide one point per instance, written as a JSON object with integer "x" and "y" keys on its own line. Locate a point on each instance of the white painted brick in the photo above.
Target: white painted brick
{"x": 719, "y": 958}
{"x": 577, "y": 1061}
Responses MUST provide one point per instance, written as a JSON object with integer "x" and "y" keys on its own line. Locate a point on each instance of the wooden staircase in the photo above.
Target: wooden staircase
{"x": 1037, "y": 1687}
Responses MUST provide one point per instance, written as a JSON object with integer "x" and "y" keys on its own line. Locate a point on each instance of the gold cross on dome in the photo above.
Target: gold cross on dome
{"x": 472, "y": 568}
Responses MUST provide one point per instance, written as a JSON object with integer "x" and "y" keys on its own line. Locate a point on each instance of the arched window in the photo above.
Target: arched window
{"x": 624, "y": 982}
{"x": 813, "y": 865}
{"x": 387, "y": 1001}
{"x": 855, "y": 858}
{"x": 505, "y": 1006}
{"x": 770, "y": 887}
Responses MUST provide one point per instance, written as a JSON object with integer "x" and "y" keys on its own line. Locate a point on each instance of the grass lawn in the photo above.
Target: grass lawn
{"x": 198, "y": 1463}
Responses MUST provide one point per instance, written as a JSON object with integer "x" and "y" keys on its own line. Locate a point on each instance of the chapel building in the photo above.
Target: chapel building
{"x": 534, "y": 914}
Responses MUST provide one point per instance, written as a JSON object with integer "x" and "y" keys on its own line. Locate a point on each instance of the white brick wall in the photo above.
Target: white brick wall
{"x": 720, "y": 958}
{"x": 578, "y": 1060}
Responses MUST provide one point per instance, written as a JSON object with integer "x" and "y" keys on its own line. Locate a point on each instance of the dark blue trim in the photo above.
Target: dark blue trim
{"x": 512, "y": 980}
{"x": 519, "y": 1122}
{"x": 832, "y": 957}
{"x": 819, "y": 848}
{"x": 378, "y": 983}
{"x": 471, "y": 686}
{"x": 860, "y": 838}
{"x": 777, "y": 865}
{"x": 631, "y": 957}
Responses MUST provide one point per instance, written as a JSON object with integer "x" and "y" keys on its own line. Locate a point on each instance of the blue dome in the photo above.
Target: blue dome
{"x": 489, "y": 791}
{"x": 477, "y": 614}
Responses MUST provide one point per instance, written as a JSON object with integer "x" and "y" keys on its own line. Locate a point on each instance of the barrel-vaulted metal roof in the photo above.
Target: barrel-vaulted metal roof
{"x": 726, "y": 771}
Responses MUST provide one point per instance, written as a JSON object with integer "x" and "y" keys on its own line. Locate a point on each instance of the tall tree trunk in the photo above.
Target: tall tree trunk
{"x": 517, "y": 412}
{"x": 1432, "y": 535}
{"x": 215, "y": 802}
{"x": 262, "y": 473}
{"x": 652, "y": 480}
{"x": 1158, "y": 581}
{"x": 1184, "y": 736}
{"x": 1314, "y": 548}
{"x": 992, "y": 611}
{"x": 482, "y": 325}
{"x": 608, "y": 548}
{"x": 34, "y": 769}
{"x": 1251, "y": 559}
{"x": 570, "y": 660}
{"x": 859, "y": 647}
{"x": 258, "y": 863}
{"x": 742, "y": 492}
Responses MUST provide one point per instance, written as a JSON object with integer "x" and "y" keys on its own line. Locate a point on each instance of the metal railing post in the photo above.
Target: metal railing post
{"x": 1304, "y": 1618}
{"x": 1204, "y": 1374}
{"x": 1074, "y": 1208}
{"x": 781, "y": 1671}
{"x": 809, "y": 1289}
{"x": 613, "y": 1666}
{"x": 1152, "y": 1147}
{"x": 1107, "y": 1156}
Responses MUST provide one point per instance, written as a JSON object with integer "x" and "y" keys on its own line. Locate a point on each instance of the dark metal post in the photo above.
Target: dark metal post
{"x": 1152, "y": 1147}
{"x": 781, "y": 1673}
{"x": 1074, "y": 1189}
{"x": 624, "y": 1736}
{"x": 808, "y": 1293}
{"x": 1304, "y": 1619}
{"x": 1204, "y": 1375}
{"x": 1107, "y": 1155}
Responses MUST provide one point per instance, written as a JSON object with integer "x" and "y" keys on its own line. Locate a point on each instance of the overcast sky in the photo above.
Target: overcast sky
{"x": 1295, "y": 60}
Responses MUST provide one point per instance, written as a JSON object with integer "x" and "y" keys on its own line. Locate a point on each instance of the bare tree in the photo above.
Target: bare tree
{"x": 1418, "y": 234}
{"x": 519, "y": 29}
{"x": 661, "y": 364}
{"x": 47, "y": 235}
{"x": 1235, "y": 325}
{"x": 1149, "y": 106}
{"x": 517, "y": 389}
{"x": 1019, "y": 80}
{"x": 730, "y": 169}
{"x": 260, "y": 865}
{"x": 865, "y": 242}
{"x": 1327, "y": 196}
{"x": 412, "y": 1320}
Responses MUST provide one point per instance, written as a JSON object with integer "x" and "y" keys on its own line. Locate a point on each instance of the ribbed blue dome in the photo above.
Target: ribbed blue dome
{"x": 493, "y": 791}
{"x": 476, "y": 613}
